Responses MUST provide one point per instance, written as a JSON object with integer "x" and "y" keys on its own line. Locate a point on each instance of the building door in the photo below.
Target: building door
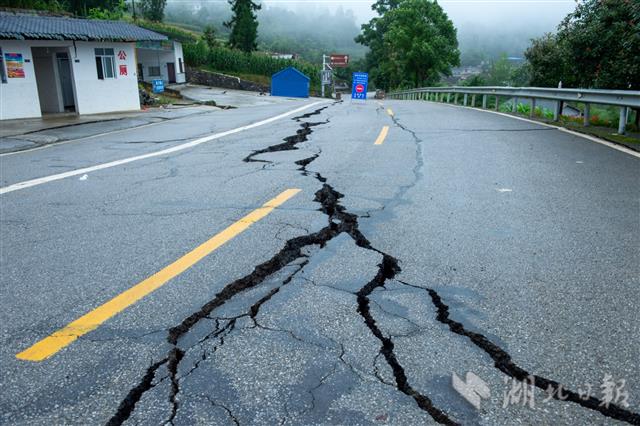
{"x": 66, "y": 81}
{"x": 171, "y": 70}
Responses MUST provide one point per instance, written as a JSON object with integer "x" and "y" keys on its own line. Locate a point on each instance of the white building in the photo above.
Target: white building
{"x": 160, "y": 60}
{"x": 58, "y": 64}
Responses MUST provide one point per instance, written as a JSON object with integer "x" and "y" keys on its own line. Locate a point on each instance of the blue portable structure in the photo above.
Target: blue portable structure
{"x": 291, "y": 83}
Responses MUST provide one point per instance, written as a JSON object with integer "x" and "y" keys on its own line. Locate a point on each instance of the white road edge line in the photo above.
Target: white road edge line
{"x": 562, "y": 129}
{"x": 59, "y": 176}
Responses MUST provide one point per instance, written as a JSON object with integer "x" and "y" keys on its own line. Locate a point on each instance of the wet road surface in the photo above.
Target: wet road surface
{"x": 319, "y": 263}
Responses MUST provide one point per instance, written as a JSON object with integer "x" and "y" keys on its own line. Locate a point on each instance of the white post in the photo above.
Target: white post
{"x": 557, "y": 111}
{"x": 587, "y": 115}
{"x": 484, "y": 101}
{"x": 532, "y": 113}
{"x": 322, "y": 76}
{"x": 623, "y": 120}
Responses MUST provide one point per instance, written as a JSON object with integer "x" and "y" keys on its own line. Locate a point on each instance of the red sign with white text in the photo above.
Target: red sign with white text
{"x": 339, "y": 61}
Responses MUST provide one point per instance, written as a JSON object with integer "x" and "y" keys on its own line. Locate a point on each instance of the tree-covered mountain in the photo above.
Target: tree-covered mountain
{"x": 308, "y": 33}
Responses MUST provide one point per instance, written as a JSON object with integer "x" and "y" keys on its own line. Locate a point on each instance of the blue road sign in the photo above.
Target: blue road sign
{"x": 157, "y": 85}
{"x": 359, "y": 84}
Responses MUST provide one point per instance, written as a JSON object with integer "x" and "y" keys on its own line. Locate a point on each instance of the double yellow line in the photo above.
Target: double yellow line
{"x": 91, "y": 320}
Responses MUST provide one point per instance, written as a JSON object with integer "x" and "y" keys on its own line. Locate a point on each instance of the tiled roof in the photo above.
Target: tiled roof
{"x": 22, "y": 26}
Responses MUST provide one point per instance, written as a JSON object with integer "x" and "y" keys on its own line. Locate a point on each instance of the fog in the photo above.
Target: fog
{"x": 486, "y": 28}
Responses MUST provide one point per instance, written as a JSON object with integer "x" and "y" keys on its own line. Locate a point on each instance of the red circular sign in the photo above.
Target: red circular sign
{"x": 359, "y": 88}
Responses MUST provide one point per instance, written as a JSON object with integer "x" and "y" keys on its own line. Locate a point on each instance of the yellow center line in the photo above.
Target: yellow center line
{"x": 382, "y": 135}
{"x": 91, "y": 320}
{"x": 390, "y": 112}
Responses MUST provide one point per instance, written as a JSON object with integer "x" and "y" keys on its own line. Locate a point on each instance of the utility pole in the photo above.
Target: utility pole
{"x": 322, "y": 76}
{"x": 326, "y": 70}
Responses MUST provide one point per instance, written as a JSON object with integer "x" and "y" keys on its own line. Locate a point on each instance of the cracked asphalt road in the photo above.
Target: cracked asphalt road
{"x": 466, "y": 242}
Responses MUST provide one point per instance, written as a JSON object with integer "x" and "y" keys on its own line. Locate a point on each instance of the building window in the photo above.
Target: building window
{"x": 154, "y": 72}
{"x": 105, "y": 63}
{"x": 3, "y": 74}
{"x": 180, "y": 65}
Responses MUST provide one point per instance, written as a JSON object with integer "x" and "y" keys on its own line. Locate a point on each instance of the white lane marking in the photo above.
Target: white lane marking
{"x": 562, "y": 129}
{"x": 51, "y": 178}
{"x": 84, "y": 177}
{"x": 579, "y": 162}
{"x": 504, "y": 190}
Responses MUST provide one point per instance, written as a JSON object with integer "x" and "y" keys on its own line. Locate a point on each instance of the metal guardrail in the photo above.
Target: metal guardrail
{"x": 624, "y": 99}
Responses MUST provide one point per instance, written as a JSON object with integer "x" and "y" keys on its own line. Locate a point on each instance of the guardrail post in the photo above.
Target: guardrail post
{"x": 532, "y": 113}
{"x": 514, "y": 106}
{"x": 448, "y": 97}
{"x": 484, "y": 101}
{"x": 473, "y": 100}
{"x": 497, "y": 103}
{"x": 622, "y": 124}
{"x": 455, "y": 98}
{"x": 556, "y": 111}
{"x": 587, "y": 115}
{"x": 464, "y": 100}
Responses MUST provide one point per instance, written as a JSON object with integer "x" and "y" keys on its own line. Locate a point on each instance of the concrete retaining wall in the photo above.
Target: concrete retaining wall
{"x": 208, "y": 78}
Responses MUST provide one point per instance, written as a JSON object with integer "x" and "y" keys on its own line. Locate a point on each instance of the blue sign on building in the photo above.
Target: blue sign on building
{"x": 359, "y": 84}
{"x": 157, "y": 85}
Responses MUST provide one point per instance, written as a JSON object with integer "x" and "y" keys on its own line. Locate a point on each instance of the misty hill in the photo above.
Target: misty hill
{"x": 308, "y": 33}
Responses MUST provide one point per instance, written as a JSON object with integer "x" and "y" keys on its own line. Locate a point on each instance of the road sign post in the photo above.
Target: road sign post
{"x": 359, "y": 84}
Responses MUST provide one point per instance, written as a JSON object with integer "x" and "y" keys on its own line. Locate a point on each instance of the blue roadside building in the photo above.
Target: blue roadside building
{"x": 290, "y": 82}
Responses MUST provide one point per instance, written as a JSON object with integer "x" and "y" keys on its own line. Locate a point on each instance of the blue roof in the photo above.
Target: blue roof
{"x": 288, "y": 69}
{"x": 25, "y": 26}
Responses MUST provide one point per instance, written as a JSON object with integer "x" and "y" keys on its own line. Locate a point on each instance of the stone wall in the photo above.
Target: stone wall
{"x": 208, "y": 78}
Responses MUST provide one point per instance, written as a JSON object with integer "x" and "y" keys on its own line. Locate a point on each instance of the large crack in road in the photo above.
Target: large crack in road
{"x": 340, "y": 221}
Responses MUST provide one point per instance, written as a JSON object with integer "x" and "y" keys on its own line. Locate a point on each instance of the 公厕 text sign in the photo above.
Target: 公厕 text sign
{"x": 359, "y": 85}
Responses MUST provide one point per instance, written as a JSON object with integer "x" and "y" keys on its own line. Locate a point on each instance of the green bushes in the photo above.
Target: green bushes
{"x": 171, "y": 31}
{"x": 224, "y": 59}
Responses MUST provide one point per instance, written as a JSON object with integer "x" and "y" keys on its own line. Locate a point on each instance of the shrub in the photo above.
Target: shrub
{"x": 225, "y": 59}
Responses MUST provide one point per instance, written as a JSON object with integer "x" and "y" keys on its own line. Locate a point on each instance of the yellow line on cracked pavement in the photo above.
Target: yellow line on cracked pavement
{"x": 91, "y": 320}
{"x": 382, "y": 135}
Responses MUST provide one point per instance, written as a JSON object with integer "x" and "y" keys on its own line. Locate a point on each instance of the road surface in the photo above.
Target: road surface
{"x": 322, "y": 263}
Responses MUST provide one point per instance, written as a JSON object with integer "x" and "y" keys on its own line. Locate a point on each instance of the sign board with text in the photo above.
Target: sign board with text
{"x": 359, "y": 84}
{"x": 157, "y": 85}
{"x": 338, "y": 61}
{"x": 326, "y": 77}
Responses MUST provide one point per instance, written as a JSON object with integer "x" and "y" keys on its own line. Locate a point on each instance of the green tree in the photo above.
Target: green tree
{"x": 500, "y": 72}
{"x": 209, "y": 37}
{"x": 115, "y": 14}
{"x": 412, "y": 43}
{"x": 597, "y": 45}
{"x": 243, "y": 25}
{"x": 548, "y": 62}
{"x": 153, "y": 10}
